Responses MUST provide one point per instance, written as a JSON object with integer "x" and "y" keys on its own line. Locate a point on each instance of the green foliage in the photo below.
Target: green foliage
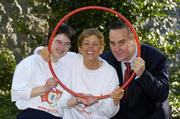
{"x": 7, "y": 65}
{"x": 174, "y": 97}
{"x": 7, "y": 108}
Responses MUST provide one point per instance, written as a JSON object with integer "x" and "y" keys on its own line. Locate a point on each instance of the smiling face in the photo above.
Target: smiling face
{"x": 91, "y": 47}
{"x": 60, "y": 46}
{"x": 122, "y": 44}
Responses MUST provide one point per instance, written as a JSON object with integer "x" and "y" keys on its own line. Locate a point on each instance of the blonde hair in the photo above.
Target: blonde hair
{"x": 89, "y": 32}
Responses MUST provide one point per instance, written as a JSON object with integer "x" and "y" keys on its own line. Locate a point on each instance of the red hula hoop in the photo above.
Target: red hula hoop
{"x": 91, "y": 8}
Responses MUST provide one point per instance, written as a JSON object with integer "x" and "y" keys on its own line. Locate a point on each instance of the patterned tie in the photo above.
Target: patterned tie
{"x": 127, "y": 73}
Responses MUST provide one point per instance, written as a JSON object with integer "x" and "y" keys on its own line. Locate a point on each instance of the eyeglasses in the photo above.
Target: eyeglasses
{"x": 65, "y": 45}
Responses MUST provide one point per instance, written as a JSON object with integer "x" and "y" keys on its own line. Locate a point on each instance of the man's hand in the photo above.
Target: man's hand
{"x": 45, "y": 54}
{"x": 117, "y": 95}
{"x": 139, "y": 66}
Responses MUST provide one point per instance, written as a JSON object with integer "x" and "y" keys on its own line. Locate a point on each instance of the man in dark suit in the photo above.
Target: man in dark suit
{"x": 147, "y": 93}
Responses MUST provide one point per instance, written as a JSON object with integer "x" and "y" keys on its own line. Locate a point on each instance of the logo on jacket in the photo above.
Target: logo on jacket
{"x": 51, "y": 97}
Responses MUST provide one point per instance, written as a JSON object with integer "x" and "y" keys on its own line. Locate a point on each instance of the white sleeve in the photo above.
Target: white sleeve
{"x": 21, "y": 84}
{"x": 106, "y": 106}
{"x": 64, "y": 100}
{"x": 38, "y": 49}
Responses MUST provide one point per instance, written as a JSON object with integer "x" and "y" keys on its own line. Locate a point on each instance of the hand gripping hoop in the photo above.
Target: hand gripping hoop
{"x": 75, "y": 12}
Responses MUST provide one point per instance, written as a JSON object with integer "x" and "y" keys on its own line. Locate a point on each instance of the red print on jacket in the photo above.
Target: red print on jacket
{"x": 51, "y": 97}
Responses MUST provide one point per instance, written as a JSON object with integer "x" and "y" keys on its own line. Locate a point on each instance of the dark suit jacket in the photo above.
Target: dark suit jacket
{"x": 145, "y": 95}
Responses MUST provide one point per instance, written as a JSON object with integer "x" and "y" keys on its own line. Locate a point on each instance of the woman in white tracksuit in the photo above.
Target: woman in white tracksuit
{"x": 34, "y": 90}
{"x": 91, "y": 75}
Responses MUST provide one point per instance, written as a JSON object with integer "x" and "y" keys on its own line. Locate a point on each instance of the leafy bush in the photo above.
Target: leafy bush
{"x": 7, "y": 65}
